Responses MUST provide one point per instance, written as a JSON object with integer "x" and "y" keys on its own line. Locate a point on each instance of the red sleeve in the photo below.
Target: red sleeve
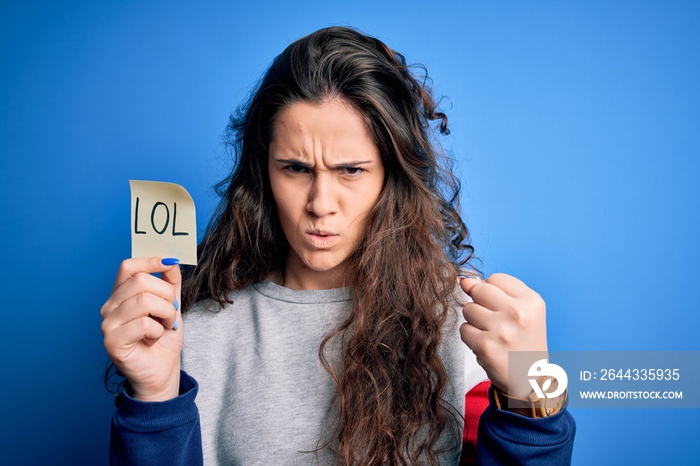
{"x": 475, "y": 403}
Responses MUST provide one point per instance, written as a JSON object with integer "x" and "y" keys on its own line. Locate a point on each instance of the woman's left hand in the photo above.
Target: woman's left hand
{"x": 505, "y": 315}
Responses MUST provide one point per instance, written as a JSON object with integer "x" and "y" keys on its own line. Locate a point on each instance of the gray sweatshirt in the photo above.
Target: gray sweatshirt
{"x": 264, "y": 397}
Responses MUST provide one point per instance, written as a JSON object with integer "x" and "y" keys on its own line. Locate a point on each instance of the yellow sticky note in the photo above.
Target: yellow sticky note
{"x": 163, "y": 221}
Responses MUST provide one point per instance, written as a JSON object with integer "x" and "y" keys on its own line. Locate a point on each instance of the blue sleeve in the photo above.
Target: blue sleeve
{"x": 509, "y": 438}
{"x": 155, "y": 433}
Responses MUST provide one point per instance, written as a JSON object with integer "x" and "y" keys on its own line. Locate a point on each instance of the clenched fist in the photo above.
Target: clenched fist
{"x": 505, "y": 315}
{"x": 140, "y": 322}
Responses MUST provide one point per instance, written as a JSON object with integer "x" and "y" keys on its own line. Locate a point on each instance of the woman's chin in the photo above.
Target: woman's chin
{"x": 324, "y": 266}
{"x": 322, "y": 261}
{"x": 322, "y": 269}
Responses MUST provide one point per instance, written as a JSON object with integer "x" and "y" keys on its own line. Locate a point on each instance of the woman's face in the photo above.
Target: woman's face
{"x": 326, "y": 174}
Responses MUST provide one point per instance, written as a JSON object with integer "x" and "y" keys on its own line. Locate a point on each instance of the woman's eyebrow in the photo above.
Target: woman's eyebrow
{"x": 292, "y": 161}
{"x": 351, "y": 163}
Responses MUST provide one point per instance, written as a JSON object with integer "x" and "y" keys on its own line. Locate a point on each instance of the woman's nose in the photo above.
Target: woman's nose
{"x": 322, "y": 197}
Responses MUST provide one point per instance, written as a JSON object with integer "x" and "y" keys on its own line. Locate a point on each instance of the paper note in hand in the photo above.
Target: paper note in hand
{"x": 163, "y": 221}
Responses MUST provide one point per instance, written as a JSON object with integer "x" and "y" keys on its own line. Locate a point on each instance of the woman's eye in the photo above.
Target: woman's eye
{"x": 352, "y": 171}
{"x": 295, "y": 168}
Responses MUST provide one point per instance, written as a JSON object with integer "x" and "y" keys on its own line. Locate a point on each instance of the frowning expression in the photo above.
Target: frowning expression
{"x": 326, "y": 174}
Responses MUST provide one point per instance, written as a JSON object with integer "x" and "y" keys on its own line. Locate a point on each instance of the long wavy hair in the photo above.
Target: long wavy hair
{"x": 390, "y": 379}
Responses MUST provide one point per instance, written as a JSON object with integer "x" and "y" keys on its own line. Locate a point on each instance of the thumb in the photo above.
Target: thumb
{"x": 174, "y": 276}
{"x": 468, "y": 284}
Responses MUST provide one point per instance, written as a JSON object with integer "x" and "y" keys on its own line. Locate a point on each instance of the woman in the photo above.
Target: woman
{"x": 323, "y": 319}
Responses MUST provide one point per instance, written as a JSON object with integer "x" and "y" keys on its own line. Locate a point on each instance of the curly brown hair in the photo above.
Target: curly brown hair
{"x": 390, "y": 378}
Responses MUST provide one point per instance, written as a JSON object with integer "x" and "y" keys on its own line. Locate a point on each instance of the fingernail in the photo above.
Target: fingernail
{"x": 461, "y": 276}
{"x": 170, "y": 261}
{"x": 176, "y": 325}
{"x": 177, "y": 305}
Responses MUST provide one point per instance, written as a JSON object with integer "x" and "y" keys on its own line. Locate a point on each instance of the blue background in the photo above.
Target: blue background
{"x": 575, "y": 130}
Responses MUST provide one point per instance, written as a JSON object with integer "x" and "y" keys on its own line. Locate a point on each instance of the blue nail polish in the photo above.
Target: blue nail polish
{"x": 176, "y": 325}
{"x": 177, "y": 305}
{"x": 170, "y": 261}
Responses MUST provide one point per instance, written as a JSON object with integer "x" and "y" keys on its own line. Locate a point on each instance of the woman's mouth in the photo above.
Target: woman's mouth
{"x": 320, "y": 238}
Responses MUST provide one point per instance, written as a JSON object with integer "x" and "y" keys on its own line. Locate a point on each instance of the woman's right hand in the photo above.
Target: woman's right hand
{"x": 140, "y": 323}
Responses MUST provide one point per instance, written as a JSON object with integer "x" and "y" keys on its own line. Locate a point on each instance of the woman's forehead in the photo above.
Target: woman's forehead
{"x": 333, "y": 128}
